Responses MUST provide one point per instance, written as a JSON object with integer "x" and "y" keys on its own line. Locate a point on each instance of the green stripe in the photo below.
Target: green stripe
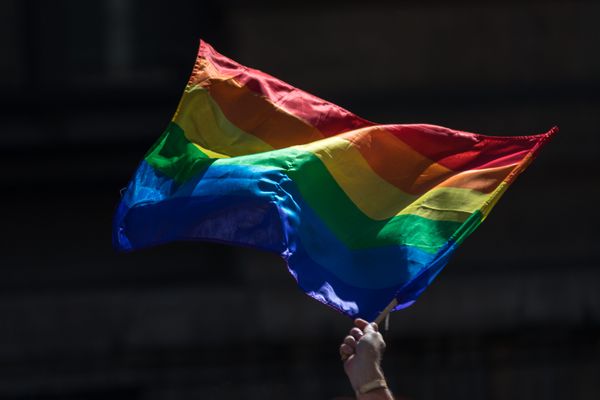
{"x": 320, "y": 190}
{"x": 177, "y": 158}
{"x": 467, "y": 227}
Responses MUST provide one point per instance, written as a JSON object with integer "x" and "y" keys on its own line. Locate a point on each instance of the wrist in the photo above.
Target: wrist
{"x": 365, "y": 374}
{"x": 372, "y": 385}
{"x": 376, "y": 394}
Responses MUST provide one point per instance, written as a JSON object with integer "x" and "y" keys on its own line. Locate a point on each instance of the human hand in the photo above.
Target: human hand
{"x": 361, "y": 352}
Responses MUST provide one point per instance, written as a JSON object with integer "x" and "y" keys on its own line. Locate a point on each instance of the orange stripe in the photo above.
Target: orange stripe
{"x": 483, "y": 180}
{"x": 388, "y": 157}
{"x": 254, "y": 114}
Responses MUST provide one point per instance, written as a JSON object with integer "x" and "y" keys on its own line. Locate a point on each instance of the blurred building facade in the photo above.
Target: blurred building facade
{"x": 86, "y": 88}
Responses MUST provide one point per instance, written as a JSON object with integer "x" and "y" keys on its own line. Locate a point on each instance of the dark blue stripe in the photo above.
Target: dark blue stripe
{"x": 261, "y": 207}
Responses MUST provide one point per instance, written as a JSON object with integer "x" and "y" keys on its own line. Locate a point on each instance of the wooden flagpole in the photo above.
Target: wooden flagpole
{"x": 386, "y": 311}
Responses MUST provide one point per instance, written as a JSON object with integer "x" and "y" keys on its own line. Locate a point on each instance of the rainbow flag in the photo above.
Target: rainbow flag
{"x": 361, "y": 213}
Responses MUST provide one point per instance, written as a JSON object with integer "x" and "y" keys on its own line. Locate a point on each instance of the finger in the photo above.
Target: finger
{"x": 356, "y": 333}
{"x": 345, "y": 349}
{"x": 371, "y": 328}
{"x": 350, "y": 341}
{"x": 360, "y": 323}
{"x": 345, "y": 352}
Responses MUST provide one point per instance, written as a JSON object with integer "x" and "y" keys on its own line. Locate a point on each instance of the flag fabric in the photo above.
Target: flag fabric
{"x": 362, "y": 213}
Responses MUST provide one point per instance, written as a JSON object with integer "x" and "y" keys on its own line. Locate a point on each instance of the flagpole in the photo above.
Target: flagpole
{"x": 386, "y": 311}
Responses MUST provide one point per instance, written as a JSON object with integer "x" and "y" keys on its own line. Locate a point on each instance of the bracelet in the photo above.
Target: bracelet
{"x": 375, "y": 384}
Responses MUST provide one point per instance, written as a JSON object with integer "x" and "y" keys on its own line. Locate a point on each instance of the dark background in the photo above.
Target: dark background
{"x": 87, "y": 86}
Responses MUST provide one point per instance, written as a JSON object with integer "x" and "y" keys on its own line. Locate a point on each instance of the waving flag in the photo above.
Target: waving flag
{"x": 362, "y": 213}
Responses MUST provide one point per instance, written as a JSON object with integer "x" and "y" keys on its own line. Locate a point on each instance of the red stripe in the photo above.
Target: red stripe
{"x": 456, "y": 150}
{"x": 327, "y": 117}
{"x": 461, "y": 151}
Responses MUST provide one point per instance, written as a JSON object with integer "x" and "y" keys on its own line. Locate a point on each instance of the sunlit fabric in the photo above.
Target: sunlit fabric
{"x": 361, "y": 213}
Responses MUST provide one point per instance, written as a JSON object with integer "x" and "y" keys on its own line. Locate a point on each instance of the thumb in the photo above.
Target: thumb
{"x": 371, "y": 328}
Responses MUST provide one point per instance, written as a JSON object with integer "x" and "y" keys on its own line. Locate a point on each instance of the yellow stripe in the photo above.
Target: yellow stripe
{"x": 447, "y": 204}
{"x": 205, "y": 125}
{"x": 494, "y": 197}
{"x": 379, "y": 199}
{"x": 210, "y": 153}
